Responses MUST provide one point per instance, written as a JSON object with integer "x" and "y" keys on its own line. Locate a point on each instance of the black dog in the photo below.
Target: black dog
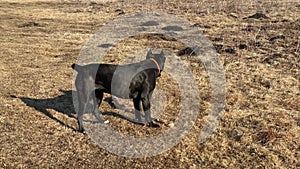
{"x": 132, "y": 81}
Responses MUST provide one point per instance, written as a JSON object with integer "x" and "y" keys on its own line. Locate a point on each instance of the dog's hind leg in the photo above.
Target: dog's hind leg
{"x": 80, "y": 117}
{"x": 81, "y": 101}
{"x": 80, "y": 112}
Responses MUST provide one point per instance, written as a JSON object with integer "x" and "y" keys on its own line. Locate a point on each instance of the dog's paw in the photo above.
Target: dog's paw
{"x": 138, "y": 121}
{"x": 81, "y": 130}
{"x": 106, "y": 121}
{"x": 154, "y": 125}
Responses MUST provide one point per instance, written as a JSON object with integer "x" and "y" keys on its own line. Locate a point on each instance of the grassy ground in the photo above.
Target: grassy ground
{"x": 260, "y": 127}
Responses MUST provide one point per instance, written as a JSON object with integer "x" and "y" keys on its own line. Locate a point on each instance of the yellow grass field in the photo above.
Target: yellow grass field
{"x": 259, "y": 128}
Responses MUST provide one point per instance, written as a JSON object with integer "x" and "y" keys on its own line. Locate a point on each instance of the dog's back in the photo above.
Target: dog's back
{"x": 119, "y": 80}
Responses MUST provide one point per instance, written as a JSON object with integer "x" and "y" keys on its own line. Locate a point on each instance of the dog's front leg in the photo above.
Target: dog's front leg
{"x": 137, "y": 109}
{"x": 146, "y": 107}
{"x": 97, "y": 97}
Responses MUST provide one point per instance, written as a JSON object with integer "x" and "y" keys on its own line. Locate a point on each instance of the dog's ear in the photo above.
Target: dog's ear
{"x": 162, "y": 53}
{"x": 149, "y": 54}
{"x": 150, "y": 51}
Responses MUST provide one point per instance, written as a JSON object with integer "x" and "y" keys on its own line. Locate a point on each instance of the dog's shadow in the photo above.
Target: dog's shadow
{"x": 63, "y": 104}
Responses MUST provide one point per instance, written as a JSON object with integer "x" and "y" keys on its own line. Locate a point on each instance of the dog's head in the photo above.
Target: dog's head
{"x": 159, "y": 58}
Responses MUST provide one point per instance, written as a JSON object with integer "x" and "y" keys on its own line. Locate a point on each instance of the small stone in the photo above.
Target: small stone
{"x": 120, "y": 11}
{"x": 234, "y": 15}
{"x": 171, "y": 124}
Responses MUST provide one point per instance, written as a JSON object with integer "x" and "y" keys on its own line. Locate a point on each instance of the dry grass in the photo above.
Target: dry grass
{"x": 259, "y": 128}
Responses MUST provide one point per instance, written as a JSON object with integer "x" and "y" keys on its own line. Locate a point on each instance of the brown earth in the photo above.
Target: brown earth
{"x": 259, "y": 128}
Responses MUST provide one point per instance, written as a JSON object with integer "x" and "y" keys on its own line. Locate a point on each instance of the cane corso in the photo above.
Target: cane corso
{"x": 130, "y": 81}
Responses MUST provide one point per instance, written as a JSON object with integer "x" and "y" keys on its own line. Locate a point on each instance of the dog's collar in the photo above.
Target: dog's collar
{"x": 156, "y": 63}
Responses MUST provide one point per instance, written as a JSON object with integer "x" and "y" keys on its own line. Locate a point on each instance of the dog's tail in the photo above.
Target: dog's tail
{"x": 76, "y": 67}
